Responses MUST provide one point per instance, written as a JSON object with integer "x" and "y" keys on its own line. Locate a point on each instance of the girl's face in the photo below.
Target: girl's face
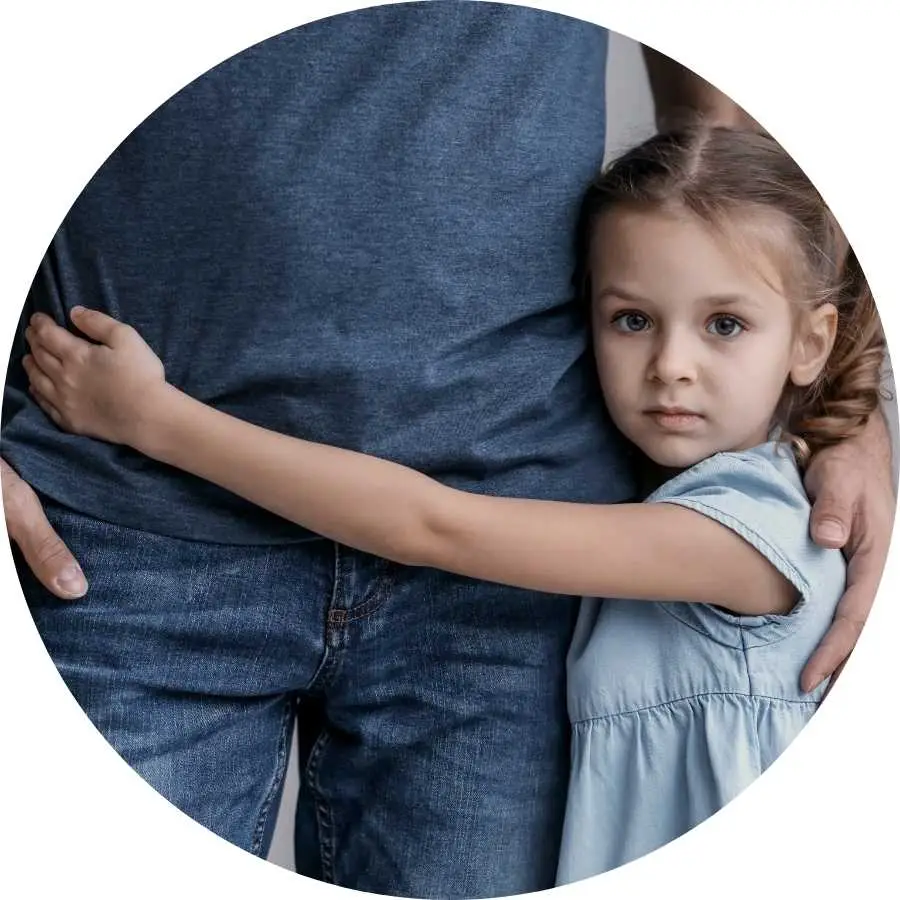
{"x": 694, "y": 346}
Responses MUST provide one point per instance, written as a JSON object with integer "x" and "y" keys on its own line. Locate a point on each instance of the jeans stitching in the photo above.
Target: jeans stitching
{"x": 324, "y": 816}
{"x": 328, "y": 664}
{"x": 382, "y": 583}
{"x": 277, "y": 780}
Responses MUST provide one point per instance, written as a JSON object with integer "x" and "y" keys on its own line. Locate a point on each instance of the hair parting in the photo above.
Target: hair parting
{"x": 733, "y": 179}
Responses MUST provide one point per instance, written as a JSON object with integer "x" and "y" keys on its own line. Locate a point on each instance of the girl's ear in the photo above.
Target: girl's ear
{"x": 814, "y": 343}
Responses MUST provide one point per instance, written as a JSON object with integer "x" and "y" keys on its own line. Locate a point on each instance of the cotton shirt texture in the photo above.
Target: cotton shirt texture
{"x": 358, "y": 232}
{"x": 677, "y": 707}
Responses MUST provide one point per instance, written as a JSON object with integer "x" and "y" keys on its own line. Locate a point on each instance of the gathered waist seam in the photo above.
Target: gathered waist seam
{"x": 588, "y": 720}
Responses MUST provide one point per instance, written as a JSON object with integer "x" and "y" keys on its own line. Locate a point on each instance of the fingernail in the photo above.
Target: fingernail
{"x": 71, "y": 581}
{"x": 77, "y": 310}
{"x": 830, "y": 530}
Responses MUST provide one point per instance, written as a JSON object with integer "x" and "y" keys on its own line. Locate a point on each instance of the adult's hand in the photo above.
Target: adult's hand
{"x": 44, "y": 551}
{"x": 851, "y": 486}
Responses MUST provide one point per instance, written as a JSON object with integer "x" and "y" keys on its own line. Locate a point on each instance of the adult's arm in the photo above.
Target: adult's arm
{"x": 116, "y": 390}
{"x": 42, "y": 549}
{"x": 680, "y": 94}
{"x": 851, "y": 485}
{"x": 852, "y": 489}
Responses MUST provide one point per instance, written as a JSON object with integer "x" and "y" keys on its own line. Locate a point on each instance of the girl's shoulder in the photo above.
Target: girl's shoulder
{"x": 758, "y": 493}
{"x": 767, "y": 471}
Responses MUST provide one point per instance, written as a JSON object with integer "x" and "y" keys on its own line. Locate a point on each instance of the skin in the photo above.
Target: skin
{"x": 680, "y": 95}
{"x": 850, "y": 485}
{"x": 679, "y": 319}
{"x": 853, "y": 508}
{"x": 694, "y": 347}
{"x": 116, "y": 391}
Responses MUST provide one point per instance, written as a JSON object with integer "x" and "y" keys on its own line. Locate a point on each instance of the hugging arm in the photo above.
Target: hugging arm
{"x": 850, "y": 484}
{"x": 852, "y": 489}
{"x": 116, "y": 390}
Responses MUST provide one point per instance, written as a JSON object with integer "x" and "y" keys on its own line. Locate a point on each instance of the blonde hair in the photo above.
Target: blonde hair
{"x": 729, "y": 179}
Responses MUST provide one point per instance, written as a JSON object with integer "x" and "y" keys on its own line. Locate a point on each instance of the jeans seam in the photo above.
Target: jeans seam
{"x": 384, "y": 583}
{"x": 380, "y": 593}
{"x": 324, "y": 815}
{"x": 277, "y": 780}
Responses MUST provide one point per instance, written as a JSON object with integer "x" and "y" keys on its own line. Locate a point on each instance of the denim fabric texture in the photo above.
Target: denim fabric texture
{"x": 431, "y": 708}
{"x": 358, "y": 232}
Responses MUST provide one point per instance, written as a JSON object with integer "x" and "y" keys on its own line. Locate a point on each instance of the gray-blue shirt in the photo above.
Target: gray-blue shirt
{"x": 356, "y": 232}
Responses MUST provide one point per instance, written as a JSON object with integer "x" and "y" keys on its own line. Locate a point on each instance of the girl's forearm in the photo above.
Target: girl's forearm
{"x": 638, "y": 551}
{"x": 369, "y": 503}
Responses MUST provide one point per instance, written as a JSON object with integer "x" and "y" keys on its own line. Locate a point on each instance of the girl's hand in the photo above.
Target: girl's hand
{"x": 103, "y": 390}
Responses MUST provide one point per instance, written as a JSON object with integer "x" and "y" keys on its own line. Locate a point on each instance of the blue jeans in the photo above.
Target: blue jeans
{"x": 431, "y": 708}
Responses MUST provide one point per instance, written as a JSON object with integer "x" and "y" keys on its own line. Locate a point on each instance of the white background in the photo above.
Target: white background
{"x": 77, "y": 77}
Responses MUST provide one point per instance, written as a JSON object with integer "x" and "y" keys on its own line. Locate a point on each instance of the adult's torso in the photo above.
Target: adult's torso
{"x": 358, "y": 232}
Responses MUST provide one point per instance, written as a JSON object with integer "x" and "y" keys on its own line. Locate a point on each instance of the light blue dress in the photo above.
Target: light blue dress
{"x": 677, "y": 707}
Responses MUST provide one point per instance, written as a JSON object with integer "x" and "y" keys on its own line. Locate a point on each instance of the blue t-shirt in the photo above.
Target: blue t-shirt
{"x": 358, "y": 232}
{"x": 677, "y": 707}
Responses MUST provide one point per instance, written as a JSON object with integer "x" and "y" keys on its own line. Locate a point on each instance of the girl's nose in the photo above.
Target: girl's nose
{"x": 673, "y": 361}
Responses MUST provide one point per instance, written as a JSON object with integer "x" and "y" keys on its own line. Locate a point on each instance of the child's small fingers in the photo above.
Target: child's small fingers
{"x": 46, "y": 361}
{"x": 98, "y": 325}
{"x": 45, "y": 333}
{"x": 35, "y": 341}
{"x": 42, "y": 383}
{"x": 48, "y": 408}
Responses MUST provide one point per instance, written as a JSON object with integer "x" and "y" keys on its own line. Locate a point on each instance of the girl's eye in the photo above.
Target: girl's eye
{"x": 630, "y": 322}
{"x": 725, "y": 326}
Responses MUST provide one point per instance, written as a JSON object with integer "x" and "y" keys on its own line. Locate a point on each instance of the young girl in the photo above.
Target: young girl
{"x": 735, "y": 335}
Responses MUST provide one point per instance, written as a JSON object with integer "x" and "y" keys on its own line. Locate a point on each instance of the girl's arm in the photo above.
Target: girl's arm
{"x": 116, "y": 391}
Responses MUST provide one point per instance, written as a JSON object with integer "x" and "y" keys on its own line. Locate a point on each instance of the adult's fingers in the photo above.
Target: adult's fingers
{"x": 44, "y": 551}
{"x": 863, "y": 576}
{"x": 831, "y": 519}
{"x": 832, "y": 652}
{"x": 834, "y": 677}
